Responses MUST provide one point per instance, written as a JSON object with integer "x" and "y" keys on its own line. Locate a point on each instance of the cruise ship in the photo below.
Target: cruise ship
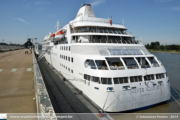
{"x": 107, "y": 63}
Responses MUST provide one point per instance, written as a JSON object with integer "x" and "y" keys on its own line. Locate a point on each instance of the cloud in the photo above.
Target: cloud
{"x": 177, "y": 8}
{"x": 21, "y": 20}
{"x": 163, "y": 0}
{"x": 41, "y": 3}
{"x": 97, "y": 2}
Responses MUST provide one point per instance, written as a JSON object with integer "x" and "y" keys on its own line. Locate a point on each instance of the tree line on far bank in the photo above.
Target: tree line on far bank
{"x": 157, "y": 46}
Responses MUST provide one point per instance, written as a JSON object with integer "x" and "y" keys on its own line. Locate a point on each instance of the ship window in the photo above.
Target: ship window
{"x": 71, "y": 71}
{"x": 90, "y": 64}
{"x": 68, "y": 69}
{"x": 60, "y": 56}
{"x": 160, "y": 76}
{"x": 130, "y": 63}
{"x": 136, "y": 78}
{"x": 148, "y": 77}
{"x": 71, "y": 59}
{"x": 96, "y": 79}
{"x": 143, "y": 62}
{"x": 120, "y": 80}
{"x": 115, "y": 64}
{"x": 106, "y": 81}
{"x": 68, "y": 58}
{"x": 87, "y": 77}
{"x": 69, "y": 48}
{"x": 101, "y": 64}
{"x": 116, "y": 81}
{"x": 153, "y": 62}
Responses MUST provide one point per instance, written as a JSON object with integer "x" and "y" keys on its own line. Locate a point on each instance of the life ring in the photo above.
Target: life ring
{"x": 100, "y": 113}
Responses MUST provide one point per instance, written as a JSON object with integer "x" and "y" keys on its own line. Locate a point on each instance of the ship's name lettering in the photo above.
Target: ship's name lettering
{"x": 141, "y": 90}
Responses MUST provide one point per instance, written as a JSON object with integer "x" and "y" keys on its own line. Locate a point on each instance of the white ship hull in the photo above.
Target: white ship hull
{"x": 119, "y": 99}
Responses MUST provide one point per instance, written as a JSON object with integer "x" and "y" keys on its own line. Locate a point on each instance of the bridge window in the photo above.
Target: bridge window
{"x": 101, "y": 64}
{"x": 130, "y": 63}
{"x": 120, "y": 80}
{"x": 90, "y": 64}
{"x": 106, "y": 81}
{"x": 115, "y": 64}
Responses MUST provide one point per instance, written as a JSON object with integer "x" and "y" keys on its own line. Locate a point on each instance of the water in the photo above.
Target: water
{"x": 40, "y": 51}
{"x": 171, "y": 61}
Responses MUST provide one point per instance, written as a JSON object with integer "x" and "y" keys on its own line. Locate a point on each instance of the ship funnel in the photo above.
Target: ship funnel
{"x": 86, "y": 11}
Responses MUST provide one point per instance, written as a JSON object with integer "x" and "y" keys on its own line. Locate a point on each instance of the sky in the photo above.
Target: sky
{"x": 152, "y": 20}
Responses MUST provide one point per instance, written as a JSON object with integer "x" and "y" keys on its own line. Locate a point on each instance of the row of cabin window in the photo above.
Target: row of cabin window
{"x": 66, "y": 67}
{"x": 66, "y": 58}
{"x": 151, "y": 77}
{"x": 122, "y": 80}
{"x": 97, "y": 80}
{"x": 67, "y": 48}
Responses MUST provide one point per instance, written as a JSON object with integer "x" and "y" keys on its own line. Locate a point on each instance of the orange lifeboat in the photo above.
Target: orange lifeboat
{"x": 60, "y": 32}
{"x": 52, "y": 35}
{"x": 59, "y": 35}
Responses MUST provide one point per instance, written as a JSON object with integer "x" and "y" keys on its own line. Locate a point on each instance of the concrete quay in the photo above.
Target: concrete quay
{"x": 17, "y": 82}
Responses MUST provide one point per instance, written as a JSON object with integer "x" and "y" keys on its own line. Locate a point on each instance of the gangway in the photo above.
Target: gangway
{"x": 42, "y": 55}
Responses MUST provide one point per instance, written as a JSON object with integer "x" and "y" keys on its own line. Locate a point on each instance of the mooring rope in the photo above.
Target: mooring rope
{"x": 172, "y": 96}
{"x": 106, "y": 100}
{"x": 112, "y": 102}
{"x": 174, "y": 89}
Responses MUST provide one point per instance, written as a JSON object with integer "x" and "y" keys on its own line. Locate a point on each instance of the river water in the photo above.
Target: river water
{"x": 171, "y": 61}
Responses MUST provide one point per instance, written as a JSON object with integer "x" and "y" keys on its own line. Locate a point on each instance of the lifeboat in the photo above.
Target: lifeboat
{"x": 59, "y": 35}
{"x": 52, "y": 35}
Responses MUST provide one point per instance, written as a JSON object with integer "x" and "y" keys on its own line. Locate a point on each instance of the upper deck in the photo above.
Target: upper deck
{"x": 99, "y": 22}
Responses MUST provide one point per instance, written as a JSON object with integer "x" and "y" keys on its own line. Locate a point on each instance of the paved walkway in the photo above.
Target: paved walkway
{"x": 17, "y": 82}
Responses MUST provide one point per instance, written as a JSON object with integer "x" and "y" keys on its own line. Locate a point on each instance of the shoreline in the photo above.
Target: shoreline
{"x": 164, "y": 51}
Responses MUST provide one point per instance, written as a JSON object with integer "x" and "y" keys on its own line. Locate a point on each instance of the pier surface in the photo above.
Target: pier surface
{"x": 17, "y": 82}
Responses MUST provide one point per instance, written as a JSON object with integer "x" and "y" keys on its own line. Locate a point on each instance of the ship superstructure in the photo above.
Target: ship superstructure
{"x": 108, "y": 64}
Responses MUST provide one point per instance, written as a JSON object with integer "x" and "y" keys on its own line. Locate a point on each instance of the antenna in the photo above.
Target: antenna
{"x": 57, "y": 25}
{"x": 123, "y": 20}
